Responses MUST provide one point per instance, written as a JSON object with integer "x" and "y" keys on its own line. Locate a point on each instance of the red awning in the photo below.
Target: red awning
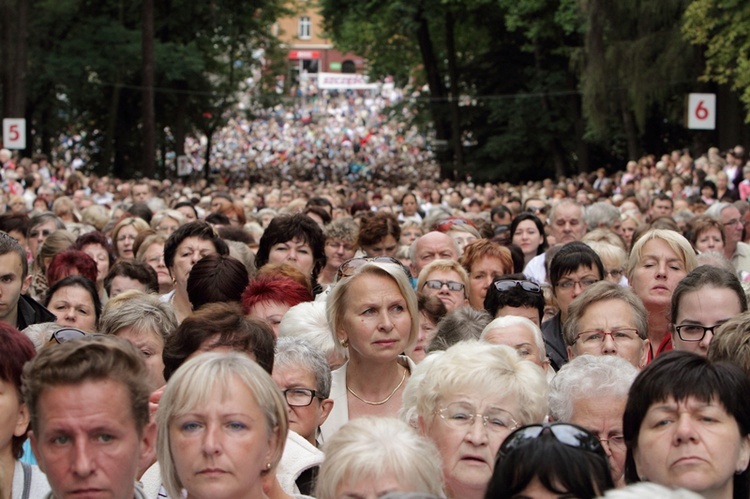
{"x": 304, "y": 54}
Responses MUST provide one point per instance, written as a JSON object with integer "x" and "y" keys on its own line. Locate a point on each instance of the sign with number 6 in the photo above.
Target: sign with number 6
{"x": 14, "y": 133}
{"x": 701, "y": 111}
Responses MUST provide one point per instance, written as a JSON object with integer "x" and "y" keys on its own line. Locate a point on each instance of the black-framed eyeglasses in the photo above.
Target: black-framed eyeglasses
{"x": 349, "y": 267}
{"x": 537, "y": 209}
{"x": 300, "y": 397}
{"x": 570, "y": 284}
{"x": 567, "y": 434}
{"x": 507, "y": 285}
{"x": 451, "y": 285}
{"x": 694, "y": 332}
{"x": 67, "y": 334}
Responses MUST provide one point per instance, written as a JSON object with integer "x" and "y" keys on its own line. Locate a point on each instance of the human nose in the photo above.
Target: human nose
{"x": 477, "y": 432}
{"x": 82, "y": 464}
{"x": 707, "y": 337}
{"x": 211, "y": 440}
{"x": 609, "y": 346}
{"x": 605, "y": 446}
{"x": 386, "y": 324}
{"x": 684, "y": 430}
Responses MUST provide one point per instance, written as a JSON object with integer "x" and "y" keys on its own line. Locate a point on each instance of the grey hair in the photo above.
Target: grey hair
{"x": 143, "y": 312}
{"x": 603, "y": 291}
{"x": 564, "y": 202}
{"x": 408, "y": 411}
{"x": 159, "y": 216}
{"x": 591, "y": 377}
{"x": 464, "y": 323}
{"x": 397, "y": 449}
{"x": 344, "y": 228}
{"x": 298, "y": 353}
{"x": 714, "y": 211}
{"x": 509, "y": 321}
{"x": 715, "y": 259}
{"x": 488, "y": 369}
{"x": 40, "y": 333}
{"x": 601, "y": 214}
{"x": 308, "y": 320}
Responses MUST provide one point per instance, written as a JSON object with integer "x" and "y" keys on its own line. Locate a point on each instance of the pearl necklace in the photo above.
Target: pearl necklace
{"x": 385, "y": 399}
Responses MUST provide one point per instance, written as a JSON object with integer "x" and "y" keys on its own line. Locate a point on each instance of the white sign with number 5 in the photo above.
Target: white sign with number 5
{"x": 14, "y": 133}
{"x": 701, "y": 112}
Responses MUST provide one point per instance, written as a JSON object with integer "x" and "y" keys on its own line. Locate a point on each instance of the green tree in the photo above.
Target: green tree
{"x": 722, "y": 29}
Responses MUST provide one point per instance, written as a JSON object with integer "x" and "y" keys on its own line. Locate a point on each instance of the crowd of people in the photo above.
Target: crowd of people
{"x": 331, "y": 334}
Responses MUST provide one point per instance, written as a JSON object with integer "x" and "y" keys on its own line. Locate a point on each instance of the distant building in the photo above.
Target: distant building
{"x": 309, "y": 51}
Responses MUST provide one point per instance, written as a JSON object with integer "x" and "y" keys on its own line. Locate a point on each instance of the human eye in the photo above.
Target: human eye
{"x": 588, "y": 282}
{"x": 497, "y": 420}
{"x": 622, "y": 335}
{"x": 190, "y": 426}
{"x": 523, "y": 352}
{"x": 105, "y": 438}
{"x": 61, "y": 439}
{"x": 592, "y": 337}
{"x": 6, "y": 278}
{"x": 617, "y": 439}
{"x": 236, "y": 426}
{"x": 83, "y": 311}
{"x": 566, "y": 284}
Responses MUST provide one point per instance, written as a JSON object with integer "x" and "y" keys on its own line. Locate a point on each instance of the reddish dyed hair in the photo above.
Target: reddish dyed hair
{"x": 15, "y": 351}
{"x": 274, "y": 288}
{"x": 66, "y": 262}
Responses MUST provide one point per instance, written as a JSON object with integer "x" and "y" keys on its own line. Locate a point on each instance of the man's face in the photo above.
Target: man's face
{"x": 732, "y": 221}
{"x": 305, "y": 420}
{"x": 567, "y": 224}
{"x": 87, "y": 441}
{"x": 661, "y": 208}
{"x": 12, "y": 286}
{"x": 139, "y": 193}
{"x": 433, "y": 246}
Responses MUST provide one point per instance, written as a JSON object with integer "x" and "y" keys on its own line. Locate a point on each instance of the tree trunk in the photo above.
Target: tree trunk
{"x": 149, "y": 125}
{"x": 437, "y": 92}
{"x": 108, "y": 152}
{"x": 628, "y": 124}
{"x": 455, "y": 93}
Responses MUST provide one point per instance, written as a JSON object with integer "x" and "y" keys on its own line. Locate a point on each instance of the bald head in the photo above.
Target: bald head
{"x": 432, "y": 246}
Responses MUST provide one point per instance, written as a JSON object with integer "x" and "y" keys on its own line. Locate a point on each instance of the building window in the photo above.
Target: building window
{"x": 304, "y": 27}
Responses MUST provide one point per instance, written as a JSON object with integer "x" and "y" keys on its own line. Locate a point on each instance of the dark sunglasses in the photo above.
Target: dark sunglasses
{"x": 448, "y": 223}
{"x": 565, "y": 433}
{"x": 67, "y": 334}
{"x": 537, "y": 209}
{"x": 348, "y": 268}
{"x": 529, "y": 286}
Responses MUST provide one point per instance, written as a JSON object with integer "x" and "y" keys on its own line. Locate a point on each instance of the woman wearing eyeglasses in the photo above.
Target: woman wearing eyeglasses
{"x": 686, "y": 425}
{"x": 373, "y": 315}
{"x": 704, "y": 300}
{"x": 446, "y": 280}
{"x": 468, "y": 400}
{"x": 550, "y": 460}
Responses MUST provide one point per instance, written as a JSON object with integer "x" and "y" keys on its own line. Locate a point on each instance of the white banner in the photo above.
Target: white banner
{"x": 340, "y": 81}
{"x": 14, "y": 133}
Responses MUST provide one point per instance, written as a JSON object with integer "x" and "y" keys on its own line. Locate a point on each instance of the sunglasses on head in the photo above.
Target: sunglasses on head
{"x": 448, "y": 223}
{"x": 67, "y": 334}
{"x": 349, "y": 267}
{"x": 565, "y": 433}
{"x": 529, "y": 286}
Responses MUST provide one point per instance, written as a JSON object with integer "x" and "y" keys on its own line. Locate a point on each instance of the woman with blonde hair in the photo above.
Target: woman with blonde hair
{"x": 659, "y": 260}
{"x": 373, "y": 314}
{"x": 221, "y": 428}
{"x": 124, "y": 235}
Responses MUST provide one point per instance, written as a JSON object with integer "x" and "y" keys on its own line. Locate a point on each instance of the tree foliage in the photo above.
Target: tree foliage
{"x": 85, "y": 65}
{"x": 722, "y": 29}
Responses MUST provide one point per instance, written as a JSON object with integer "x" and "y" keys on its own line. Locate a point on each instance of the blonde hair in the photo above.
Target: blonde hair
{"x": 380, "y": 448}
{"x": 676, "y": 241}
{"x": 195, "y": 383}
{"x": 337, "y": 300}
{"x": 446, "y": 266}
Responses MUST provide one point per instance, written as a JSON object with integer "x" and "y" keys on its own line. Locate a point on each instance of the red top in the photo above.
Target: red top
{"x": 664, "y": 346}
